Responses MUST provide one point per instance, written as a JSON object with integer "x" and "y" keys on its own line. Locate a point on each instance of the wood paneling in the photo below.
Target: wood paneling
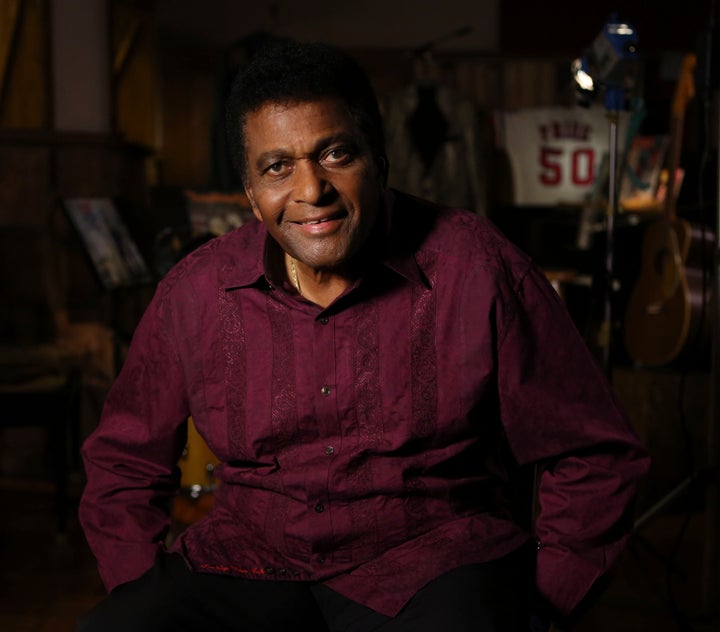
{"x": 24, "y": 184}
{"x": 135, "y": 74}
{"x": 9, "y": 21}
{"x": 188, "y": 99}
{"x": 25, "y": 96}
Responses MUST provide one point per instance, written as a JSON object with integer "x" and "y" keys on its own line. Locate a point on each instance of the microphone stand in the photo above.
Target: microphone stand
{"x": 612, "y": 205}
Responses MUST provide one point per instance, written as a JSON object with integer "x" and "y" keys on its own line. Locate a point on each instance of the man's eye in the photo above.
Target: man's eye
{"x": 337, "y": 155}
{"x": 277, "y": 168}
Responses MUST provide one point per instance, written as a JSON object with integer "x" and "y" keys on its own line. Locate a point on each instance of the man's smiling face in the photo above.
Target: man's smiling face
{"x": 312, "y": 180}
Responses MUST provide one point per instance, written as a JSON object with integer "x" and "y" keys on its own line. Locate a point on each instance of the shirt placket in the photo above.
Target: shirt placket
{"x": 326, "y": 413}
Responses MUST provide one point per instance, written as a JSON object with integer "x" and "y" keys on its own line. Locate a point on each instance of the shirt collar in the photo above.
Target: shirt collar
{"x": 406, "y": 266}
{"x": 245, "y": 265}
{"x": 401, "y": 253}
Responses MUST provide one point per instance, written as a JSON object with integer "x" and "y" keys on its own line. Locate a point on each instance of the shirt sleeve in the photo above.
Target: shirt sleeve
{"x": 131, "y": 457}
{"x": 560, "y": 411}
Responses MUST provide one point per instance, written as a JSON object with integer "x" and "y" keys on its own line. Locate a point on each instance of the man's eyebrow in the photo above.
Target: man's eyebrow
{"x": 341, "y": 137}
{"x": 269, "y": 157}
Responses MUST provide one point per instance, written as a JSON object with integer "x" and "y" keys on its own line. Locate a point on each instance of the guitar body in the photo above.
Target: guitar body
{"x": 664, "y": 319}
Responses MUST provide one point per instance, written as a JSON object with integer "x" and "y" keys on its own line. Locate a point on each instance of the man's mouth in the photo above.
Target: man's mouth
{"x": 321, "y": 220}
{"x": 316, "y": 221}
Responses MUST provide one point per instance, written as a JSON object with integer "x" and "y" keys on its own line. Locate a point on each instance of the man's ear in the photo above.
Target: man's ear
{"x": 251, "y": 197}
{"x": 384, "y": 166}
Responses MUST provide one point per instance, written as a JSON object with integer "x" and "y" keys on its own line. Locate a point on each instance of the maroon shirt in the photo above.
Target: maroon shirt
{"x": 373, "y": 444}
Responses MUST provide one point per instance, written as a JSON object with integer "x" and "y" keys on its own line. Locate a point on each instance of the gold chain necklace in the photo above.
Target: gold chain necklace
{"x": 293, "y": 271}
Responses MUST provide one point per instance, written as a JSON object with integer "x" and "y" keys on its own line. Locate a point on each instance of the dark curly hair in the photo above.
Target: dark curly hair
{"x": 289, "y": 71}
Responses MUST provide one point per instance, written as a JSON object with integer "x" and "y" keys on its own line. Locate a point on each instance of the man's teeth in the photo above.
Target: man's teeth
{"x": 316, "y": 221}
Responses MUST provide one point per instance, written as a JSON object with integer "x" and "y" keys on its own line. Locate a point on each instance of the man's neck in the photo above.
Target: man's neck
{"x": 318, "y": 286}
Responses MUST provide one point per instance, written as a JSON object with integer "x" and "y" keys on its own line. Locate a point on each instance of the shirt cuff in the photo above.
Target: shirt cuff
{"x": 563, "y": 578}
{"x": 124, "y": 562}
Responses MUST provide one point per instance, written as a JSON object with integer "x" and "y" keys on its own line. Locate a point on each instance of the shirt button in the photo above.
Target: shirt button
{"x": 324, "y": 320}
{"x": 325, "y": 390}
{"x": 282, "y": 571}
{"x": 329, "y": 450}
{"x": 321, "y": 559}
{"x": 319, "y": 507}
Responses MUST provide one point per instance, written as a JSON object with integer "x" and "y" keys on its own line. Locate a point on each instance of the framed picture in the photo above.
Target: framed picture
{"x": 215, "y": 212}
{"x": 642, "y": 174}
{"x": 111, "y": 248}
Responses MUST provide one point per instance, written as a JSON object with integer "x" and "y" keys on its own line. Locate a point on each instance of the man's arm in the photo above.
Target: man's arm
{"x": 560, "y": 411}
{"x": 131, "y": 458}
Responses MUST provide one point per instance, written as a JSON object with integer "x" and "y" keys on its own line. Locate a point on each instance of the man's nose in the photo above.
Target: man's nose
{"x": 311, "y": 182}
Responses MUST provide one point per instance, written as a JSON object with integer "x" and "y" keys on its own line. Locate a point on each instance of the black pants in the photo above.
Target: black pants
{"x": 490, "y": 597}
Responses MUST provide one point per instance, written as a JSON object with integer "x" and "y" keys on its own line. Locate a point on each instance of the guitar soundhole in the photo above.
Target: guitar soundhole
{"x": 661, "y": 259}
{"x": 667, "y": 271}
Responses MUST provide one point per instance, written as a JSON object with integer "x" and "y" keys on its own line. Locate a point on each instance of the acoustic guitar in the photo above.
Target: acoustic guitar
{"x": 665, "y": 311}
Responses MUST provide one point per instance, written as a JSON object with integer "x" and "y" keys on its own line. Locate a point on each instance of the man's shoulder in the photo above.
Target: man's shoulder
{"x": 455, "y": 233}
{"x": 220, "y": 257}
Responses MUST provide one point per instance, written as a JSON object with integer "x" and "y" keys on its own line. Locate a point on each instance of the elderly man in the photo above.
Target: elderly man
{"x": 375, "y": 373}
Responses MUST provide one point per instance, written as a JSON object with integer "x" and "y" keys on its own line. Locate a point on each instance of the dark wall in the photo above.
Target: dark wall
{"x": 562, "y": 27}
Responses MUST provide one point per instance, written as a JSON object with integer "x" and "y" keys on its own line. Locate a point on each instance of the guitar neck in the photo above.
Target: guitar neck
{"x": 672, "y": 167}
{"x": 684, "y": 92}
